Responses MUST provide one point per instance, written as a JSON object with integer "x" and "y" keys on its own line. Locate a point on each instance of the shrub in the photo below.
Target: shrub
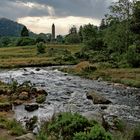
{"x": 25, "y": 41}
{"x": 12, "y": 125}
{"x": 69, "y": 126}
{"x": 40, "y": 48}
{"x": 133, "y": 56}
{"x": 40, "y": 99}
{"x": 96, "y": 133}
{"x": 72, "y": 39}
{"x": 136, "y": 135}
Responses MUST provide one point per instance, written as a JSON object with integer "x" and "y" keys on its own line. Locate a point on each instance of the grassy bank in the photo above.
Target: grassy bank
{"x": 126, "y": 76}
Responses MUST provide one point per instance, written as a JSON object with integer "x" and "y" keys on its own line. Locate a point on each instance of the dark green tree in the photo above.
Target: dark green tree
{"x": 73, "y": 30}
{"x": 81, "y": 33}
{"x": 24, "y": 32}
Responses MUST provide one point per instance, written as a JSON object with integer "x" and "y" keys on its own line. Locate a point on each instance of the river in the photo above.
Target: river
{"x": 68, "y": 93}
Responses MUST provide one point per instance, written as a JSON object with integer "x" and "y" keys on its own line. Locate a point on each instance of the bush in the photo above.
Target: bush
{"x": 41, "y": 48}
{"x": 25, "y": 41}
{"x": 12, "y": 125}
{"x": 94, "y": 44}
{"x": 40, "y": 99}
{"x": 69, "y": 126}
{"x": 72, "y": 39}
{"x": 96, "y": 133}
{"x": 136, "y": 135}
{"x": 133, "y": 56}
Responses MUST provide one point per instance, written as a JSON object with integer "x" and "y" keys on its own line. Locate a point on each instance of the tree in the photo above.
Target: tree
{"x": 60, "y": 39}
{"x": 103, "y": 24}
{"x": 135, "y": 24}
{"x": 81, "y": 33}
{"x": 73, "y": 30}
{"x": 24, "y": 32}
{"x": 72, "y": 39}
{"x": 120, "y": 12}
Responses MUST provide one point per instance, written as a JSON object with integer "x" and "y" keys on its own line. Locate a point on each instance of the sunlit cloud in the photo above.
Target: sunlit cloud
{"x": 43, "y": 24}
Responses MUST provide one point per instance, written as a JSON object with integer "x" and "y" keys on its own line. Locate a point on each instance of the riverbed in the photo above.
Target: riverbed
{"x": 68, "y": 93}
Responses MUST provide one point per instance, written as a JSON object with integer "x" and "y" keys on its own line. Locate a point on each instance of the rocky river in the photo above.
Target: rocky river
{"x": 68, "y": 93}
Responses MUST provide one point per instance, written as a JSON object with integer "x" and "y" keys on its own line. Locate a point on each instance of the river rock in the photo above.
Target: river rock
{"x": 18, "y": 102}
{"x": 28, "y": 136}
{"x": 23, "y": 95}
{"x": 42, "y": 91}
{"x": 97, "y": 98}
{"x": 31, "y": 107}
{"x": 37, "y": 69}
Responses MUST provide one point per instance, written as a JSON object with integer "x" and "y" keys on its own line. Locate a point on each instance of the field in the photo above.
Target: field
{"x": 27, "y": 55}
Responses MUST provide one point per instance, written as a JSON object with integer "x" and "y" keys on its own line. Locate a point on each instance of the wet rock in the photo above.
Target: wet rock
{"x": 32, "y": 72}
{"x": 28, "y": 136}
{"x": 41, "y": 99}
{"x": 23, "y": 95}
{"x": 5, "y": 107}
{"x": 103, "y": 107}
{"x": 100, "y": 79}
{"x": 17, "y": 102}
{"x": 31, "y": 107}
{"x": 97, "y": 98}
{"x": 37, "y": 69}
{"x": 42, "y": 91}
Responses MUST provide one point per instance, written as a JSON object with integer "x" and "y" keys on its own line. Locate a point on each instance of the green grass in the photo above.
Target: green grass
{"x": 13, "y": 126}
{"x": 27, "y": 56}
{"x": 126, "y": 76}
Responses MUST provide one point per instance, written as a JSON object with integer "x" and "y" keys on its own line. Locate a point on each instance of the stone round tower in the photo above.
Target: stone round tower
{"x": 53, "y": 32}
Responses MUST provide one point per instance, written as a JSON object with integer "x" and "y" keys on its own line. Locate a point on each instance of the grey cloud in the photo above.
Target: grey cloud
{"x": 84, "y": 8}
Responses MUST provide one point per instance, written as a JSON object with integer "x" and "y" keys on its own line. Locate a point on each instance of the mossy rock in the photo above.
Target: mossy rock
{"x": 41, "y": 99}
{"x": 97, "y": 98}
{"x": 24, "y": 95}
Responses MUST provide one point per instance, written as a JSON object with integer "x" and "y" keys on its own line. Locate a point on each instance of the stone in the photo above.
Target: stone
{"x": 97, "y": 98}
{"x": 31, "y": 107}
{"x": 17, "y": 102}
{"x": 37, "y": 69}
{"x": 28, "y": 136}
{"x": 42, "y": 91}
{"x": 23, "y": 95}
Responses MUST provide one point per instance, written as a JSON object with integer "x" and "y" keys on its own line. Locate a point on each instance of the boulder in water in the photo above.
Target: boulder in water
{"x": 97, "y": 98}
{"x": 31, "y": 107}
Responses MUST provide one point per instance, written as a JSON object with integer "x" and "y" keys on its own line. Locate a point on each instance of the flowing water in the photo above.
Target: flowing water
{"x": 68, "y": 93}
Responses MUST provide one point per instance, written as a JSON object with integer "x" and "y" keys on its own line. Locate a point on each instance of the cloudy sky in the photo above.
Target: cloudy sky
{"x": 38, "y": 15}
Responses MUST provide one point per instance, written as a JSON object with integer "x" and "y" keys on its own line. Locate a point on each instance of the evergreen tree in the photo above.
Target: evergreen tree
{"x": 24, "y": 32}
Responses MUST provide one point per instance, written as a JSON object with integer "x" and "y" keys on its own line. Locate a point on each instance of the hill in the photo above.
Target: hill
{"x": 11, "y": 28}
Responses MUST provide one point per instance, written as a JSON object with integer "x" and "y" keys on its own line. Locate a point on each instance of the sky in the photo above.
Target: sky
{"x": 39, "y": 15}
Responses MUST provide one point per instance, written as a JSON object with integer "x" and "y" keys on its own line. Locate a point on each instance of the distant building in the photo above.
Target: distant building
{"x": 53, "y": 33}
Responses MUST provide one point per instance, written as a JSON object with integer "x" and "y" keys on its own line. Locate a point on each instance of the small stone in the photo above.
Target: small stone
{"x": 31, "y": 107}
{"x": 37, "y": 69}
